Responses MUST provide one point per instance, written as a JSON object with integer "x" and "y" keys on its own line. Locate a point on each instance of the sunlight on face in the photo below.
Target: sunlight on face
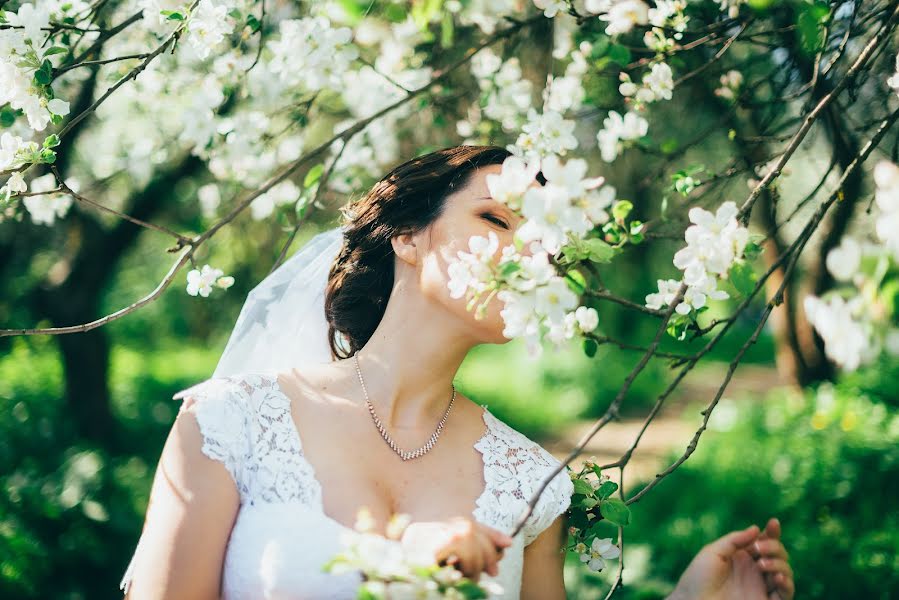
{"x": 469, "y": 211}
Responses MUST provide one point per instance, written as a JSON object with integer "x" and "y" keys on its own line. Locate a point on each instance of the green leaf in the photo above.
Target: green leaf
{"x": 589, "y": 502}
{"x": 253, "y": 23}
{"x": 669, "y": 146}
{"x": 607, "y": 489}
{"x": 576, "y": 281}
{"x": 677, "y": 326}
{"x": 599, "y": 251}
{"x": 590, "y": 347}
{"x": 54, "y": 50}
{"x": 447, "y": 30}
{"x": 507, "y": 269}
{"x": 42, "y": 76}
{"x": 313, "y": 174}
{"x": 743, "y": 277}
{"x": 582, "y": 486}
{"x": 616, "y": 511}
{"x": 172, "y": 15}
{"x": 621, "y": 209}
{"x": 620, "y": 54}
{"x": 7, "y": 116}
{"x": 810, "y": 26}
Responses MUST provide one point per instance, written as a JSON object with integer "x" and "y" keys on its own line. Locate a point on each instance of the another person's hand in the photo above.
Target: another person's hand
{"x": 470, "y": 546}
{"x": 742, "y": 565}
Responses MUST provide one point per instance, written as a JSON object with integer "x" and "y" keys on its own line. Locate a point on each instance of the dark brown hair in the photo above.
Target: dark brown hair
{"x": 406, "y": 200}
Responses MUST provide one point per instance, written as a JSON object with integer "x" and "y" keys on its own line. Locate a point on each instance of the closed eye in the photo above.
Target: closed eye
{"x": 496, "y": 220}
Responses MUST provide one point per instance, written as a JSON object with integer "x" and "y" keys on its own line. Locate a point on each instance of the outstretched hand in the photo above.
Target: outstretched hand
{"x": 744, "y": 565}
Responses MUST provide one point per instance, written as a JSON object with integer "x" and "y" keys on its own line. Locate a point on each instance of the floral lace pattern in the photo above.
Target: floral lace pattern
{"x": 247, "y": 425}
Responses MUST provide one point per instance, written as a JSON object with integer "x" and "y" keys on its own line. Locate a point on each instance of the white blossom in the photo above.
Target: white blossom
{"x": 617, "y": 129}
{"x": 551, "y": 7}
{"x": 312, "y": 54}
{"x": 844, "y": 260}
{"x": 45, "y": 208}
{"x": 33, "y": 18}
{"x": 546, "y": 133}
{"x": 600, "y": 549}
{"x": 848, "y": 336}
{"x": 201, "y": 281}
{"x": 622, "y": 15}
{"x": 510, "y": 184}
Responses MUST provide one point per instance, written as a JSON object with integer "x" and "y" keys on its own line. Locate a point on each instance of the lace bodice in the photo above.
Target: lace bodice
{"x": 282, "y": 536}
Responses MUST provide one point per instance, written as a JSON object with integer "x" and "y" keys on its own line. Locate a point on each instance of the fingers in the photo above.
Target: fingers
{"x": 727, "y": 544}
{"x": 499, "y": 538}
{"x": 768, "y": 548}
{"x": 775, "y": 565}
{"x": 490, "y": 554}
{"x": 494, "y": 543}
{"x": 786, "y": 588}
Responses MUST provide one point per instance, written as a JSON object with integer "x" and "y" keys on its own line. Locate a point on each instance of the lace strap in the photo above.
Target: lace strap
{"x": 514, "y": 468}
{"x": 223, "y": 416}
{"x": 554, "y": 500}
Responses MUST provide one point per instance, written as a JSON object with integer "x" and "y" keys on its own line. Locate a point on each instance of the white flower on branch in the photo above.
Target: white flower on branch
{"x": 45, "y": 208}
{"x": 848, "y": 336}
{"x": 617, "y": 129}
{"x": 312, "y": 54}
{"x": 203, "y": 281}
{"x": 886, "y": 178}
{"x": 621, "y": 15}
{"x": 32, "y": 18}
{"x": 14, "y": 185}
{"x": 546, "y": 133}
{"x": 843, "y": 261}
{"x": 551, "y": 7}
{"x": 208, "y": 25}
{"x": 600, "y": 549}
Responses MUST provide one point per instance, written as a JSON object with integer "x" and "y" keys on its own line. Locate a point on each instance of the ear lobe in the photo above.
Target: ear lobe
{"x": 404, "y": 247}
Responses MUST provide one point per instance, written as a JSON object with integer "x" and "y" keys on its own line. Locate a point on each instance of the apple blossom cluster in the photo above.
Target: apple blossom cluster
{"x": 392, "y": 569}
{"x": 715, "y": 242}
{"x": 538, "y": 303}
{"x": 25, "y": 60}
{"x": 506, "y": 95}
{"x": 202, "y": 281}
{"x": 854, "y": 320}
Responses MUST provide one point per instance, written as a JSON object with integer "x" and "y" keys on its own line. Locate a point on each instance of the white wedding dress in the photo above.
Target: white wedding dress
{"x": 281, "y": 536}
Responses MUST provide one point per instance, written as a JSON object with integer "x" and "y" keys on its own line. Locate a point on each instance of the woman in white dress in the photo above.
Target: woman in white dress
{"x": 265, "y": 466}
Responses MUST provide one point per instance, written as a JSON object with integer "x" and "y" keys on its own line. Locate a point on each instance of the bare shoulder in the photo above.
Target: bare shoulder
{"x": 192, "y": 506}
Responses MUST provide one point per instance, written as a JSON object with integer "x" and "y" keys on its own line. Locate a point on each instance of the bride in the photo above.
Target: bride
{"x": 341, "y": 363}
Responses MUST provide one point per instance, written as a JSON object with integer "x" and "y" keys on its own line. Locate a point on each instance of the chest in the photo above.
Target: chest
{"x": 363, "y": 471}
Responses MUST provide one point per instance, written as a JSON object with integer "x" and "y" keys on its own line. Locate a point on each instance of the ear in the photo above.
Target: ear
{"x": 404, "y": 246}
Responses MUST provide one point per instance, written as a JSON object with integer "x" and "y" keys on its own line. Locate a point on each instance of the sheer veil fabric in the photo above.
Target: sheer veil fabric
{"x": 282, "y": 323}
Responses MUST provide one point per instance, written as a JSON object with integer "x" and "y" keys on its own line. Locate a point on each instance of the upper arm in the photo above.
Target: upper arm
{"x": 192, "y": 508}
{"x": 544, "y": 561}
{"x": 546, "y": 536}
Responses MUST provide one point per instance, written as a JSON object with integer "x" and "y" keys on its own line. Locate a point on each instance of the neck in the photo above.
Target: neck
{"x": 409, "y": 362}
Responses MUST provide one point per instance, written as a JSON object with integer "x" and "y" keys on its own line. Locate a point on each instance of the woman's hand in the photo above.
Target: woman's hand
{"x": 468, "y": 545}
{"x": 741, "y": 565}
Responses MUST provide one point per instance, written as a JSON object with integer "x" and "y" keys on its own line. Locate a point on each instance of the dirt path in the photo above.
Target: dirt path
{"x": 671, "y": 429}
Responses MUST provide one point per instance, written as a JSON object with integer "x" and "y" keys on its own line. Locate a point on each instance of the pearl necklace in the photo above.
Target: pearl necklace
{"x": 404, "y": 454}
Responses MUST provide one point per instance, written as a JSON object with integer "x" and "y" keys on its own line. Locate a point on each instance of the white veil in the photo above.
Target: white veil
{"x": 282, "y": 323}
